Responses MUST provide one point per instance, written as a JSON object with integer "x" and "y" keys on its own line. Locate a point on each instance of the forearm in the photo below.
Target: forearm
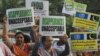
{"x": 5, "y": 31}
{"x": 35, "y": 49}
{"x": 5, "y": 28}
{"x": 5, "y": 36}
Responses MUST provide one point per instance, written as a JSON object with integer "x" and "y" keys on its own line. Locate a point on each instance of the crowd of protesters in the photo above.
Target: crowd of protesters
{"x": 37, "y": 45}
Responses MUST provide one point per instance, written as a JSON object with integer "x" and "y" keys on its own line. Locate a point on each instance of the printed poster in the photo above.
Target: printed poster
{"x": 41, "y": 8}
{"x": 70, "y": 7}
{"x": 88, "y": 25}
{"x": 82, "y": 41}
{"x": 52, "y": 26}
{"x": 80, "y": 7}
{"x": 20, "y": 17}
{"x": 87, "y": 21}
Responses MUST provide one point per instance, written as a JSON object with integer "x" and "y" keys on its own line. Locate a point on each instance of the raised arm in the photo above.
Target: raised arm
{"x": 5, "y": 36}
{"x": 36, "y": 34}
{"x": 37, "y": 41}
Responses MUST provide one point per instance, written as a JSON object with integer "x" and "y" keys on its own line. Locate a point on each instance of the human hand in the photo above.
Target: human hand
{"x": 38, "y": 36}
{"x": 5, "y": 20}
{"x": 35, "y": 28}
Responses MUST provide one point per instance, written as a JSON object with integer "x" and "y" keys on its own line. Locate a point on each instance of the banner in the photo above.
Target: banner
{"x": 80, "y": 7}
{"x": 87, "y": 15}
{"x": 88, "y": 21}
{"x": 81, "y": 41}
{"x": 70, "y": 7}
{"x": 86, "y": 24}
{"x": 52, "y": 25}
{"x": 41, "y": 8}
{"x": 20, "y": 17}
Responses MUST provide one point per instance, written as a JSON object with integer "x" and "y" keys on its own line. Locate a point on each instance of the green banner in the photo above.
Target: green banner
{"x": 80, "y": 6}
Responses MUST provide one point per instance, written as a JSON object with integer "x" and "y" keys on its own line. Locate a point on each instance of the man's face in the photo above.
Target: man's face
{"x": 63, "y": 38}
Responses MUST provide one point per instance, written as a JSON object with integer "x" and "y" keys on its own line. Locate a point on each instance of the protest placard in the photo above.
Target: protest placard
{"x": 86, "y": 20}
{"x": 80, "y": 7}
{"x": 86, "y": 24}
{"x": 88, "y": 15}
{"x": 82, "y": 41}
{"x": 53, "y": 25}
{"x": 41, "y": 8}
{"x": 70, "y": 7}
{"x": 20, "y": 17}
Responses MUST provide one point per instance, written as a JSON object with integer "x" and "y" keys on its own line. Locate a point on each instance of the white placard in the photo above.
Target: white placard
{"x": 68, "y": 7}
{"x": 41, "y": 8}
{"x": 52, "y": 26}
{"x": 20, "y": 17}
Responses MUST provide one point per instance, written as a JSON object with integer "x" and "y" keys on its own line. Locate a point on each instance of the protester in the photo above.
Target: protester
{"x": 19, "y": 48}
{"x": 32, "y": 32}
{"x": 5, "y": 51}
{"x": 86, "y": 53}
{"x": 47, "y": 49}
{"x": 62, "y": 46}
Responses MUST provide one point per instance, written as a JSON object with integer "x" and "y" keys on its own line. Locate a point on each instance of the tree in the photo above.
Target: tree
{"x": 6, "y": 4}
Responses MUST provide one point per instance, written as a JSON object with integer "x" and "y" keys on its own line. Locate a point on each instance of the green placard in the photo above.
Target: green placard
{"x": 80, "y": 6}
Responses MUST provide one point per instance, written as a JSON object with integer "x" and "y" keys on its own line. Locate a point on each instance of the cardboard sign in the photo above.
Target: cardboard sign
{"x": 86, "y": 24}
{"x": 80, "y": 7}
{"x": 98, "y": 33}
{"x": 70, "y": 7}
{"x": 88, "y": 21}
{"x": 82, "y": 41}
{"x": 53, "y": 25}
{"x": 20, "y": 17}
{"x": 41, "y": 8}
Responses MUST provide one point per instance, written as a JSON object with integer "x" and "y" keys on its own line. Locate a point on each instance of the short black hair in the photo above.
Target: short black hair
{"x": 27, "y": 39}
{"x": 19, "y": 33}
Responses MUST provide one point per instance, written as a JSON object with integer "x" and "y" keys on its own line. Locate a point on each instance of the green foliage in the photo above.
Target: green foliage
{"x": 6, "y": 4}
